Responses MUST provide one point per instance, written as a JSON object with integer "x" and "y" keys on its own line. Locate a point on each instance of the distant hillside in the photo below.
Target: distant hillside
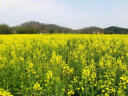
{"x": 91, "y": 30}
{"x": 33, "y": 27}
{"x": 37, "y": 27}
{"x": 109, "y": 30}
{"x": 115, "y": 30}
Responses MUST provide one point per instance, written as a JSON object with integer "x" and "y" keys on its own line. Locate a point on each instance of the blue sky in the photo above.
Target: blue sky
{"x": 68, "y": 13}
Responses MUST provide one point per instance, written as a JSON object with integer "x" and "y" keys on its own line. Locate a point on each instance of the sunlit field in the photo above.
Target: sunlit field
{"x": 63, "y": 65}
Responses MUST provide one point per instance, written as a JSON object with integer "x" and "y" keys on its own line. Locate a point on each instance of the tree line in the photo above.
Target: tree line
{"x": 33, "y": 27}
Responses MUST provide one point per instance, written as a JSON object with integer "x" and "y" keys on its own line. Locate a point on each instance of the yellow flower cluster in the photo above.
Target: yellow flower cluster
{"x": 4, "y": 93}
{"x": 37, "y": 86}
{"x": 49, "y": 74}
{"x": 64, "y": 65}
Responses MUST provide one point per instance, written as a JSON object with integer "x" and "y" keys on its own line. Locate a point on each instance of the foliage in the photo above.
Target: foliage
{"x": 26, "y": 30}
{"x": 4, "y": 29}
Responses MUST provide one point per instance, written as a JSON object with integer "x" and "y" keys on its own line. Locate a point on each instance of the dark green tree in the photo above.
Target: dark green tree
{"x": 5, "y": 29}
{"x": 26, "y": 30}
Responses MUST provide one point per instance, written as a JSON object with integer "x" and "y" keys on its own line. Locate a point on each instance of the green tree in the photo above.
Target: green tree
{"x": 26, "y": 30}
{"x": 5, "y": 29}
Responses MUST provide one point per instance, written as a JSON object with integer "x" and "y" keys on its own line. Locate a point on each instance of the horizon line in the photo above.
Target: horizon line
{"x": 62, "y": 25}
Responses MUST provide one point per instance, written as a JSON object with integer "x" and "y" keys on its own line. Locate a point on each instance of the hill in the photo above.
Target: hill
{"x": 115, "y": 30}
{"x": 33, "y": 27}
{"x": 36, "y": 27}
{"x": 91, "y": 30}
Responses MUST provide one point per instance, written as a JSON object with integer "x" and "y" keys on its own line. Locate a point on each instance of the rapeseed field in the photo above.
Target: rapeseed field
{"x": 63, "y": 65}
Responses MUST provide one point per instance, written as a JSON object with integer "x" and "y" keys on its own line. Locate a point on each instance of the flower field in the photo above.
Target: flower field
{"x": 64, "y": 65}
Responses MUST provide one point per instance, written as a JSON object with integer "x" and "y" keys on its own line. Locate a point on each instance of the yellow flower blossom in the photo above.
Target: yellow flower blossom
{"x": 37, "y": 86}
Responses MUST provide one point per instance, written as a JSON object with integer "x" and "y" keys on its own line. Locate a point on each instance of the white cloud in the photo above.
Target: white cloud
{"x": 63, "y": 13}
{"x": 42, "y": 6}
{"x": 14, "y": 12}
